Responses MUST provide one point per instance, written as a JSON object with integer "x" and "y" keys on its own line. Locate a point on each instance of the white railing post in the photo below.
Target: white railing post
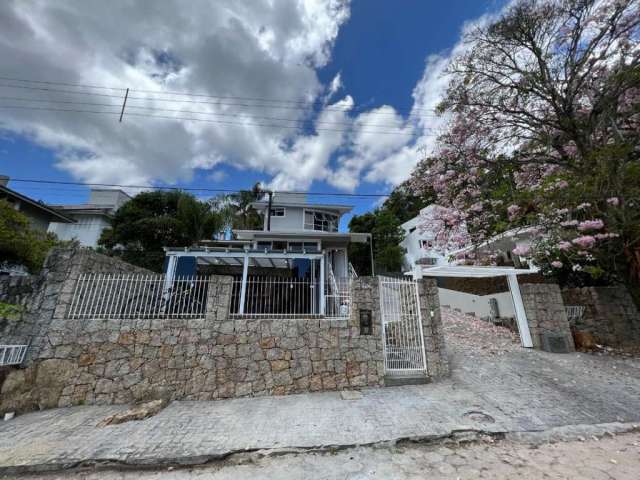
{"x": 243, "y": 286}
{"x": 322, "y": 299}
{"x": 521, "y": 314}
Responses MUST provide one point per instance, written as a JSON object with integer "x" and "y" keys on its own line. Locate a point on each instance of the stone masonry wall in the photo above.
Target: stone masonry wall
{"x": 545, "y": 311}
{"x": 610, "y": 314}
{"x": 433, "y": 333}
{"x": 118, "y": 361}
{"x": 50, "y": 293}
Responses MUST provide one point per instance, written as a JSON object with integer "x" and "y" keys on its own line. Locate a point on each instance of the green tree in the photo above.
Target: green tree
{"x": 153, "y": 220}
{"x": 19, "y": 243}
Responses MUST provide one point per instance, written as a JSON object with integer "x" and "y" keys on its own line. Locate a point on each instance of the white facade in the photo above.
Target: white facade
{"x": 419, "y": 244}
{"x": 90, "y": 218}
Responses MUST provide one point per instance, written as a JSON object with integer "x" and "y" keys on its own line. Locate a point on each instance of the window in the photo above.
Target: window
{"x": 320, "y": 221}
{"x": 412, "y": 229}
{"x": 277, "y": 212}
{"x": 425, "y": 244}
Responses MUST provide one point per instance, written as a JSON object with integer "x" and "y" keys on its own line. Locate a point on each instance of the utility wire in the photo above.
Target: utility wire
{"x": 223, "y": 122}
{"x": 198, "y": 112}
{"x": 291, "y": 103}
{"x": 215, "y": 190}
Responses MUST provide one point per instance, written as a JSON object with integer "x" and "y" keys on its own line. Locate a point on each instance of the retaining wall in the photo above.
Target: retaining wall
{"x": 96, "y": 361}
{"x": 610, "y": 314}
{"x": 545, "y": 311}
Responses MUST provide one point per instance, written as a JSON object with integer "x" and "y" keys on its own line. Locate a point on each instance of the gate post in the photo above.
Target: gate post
{"x": 433, "y": 333}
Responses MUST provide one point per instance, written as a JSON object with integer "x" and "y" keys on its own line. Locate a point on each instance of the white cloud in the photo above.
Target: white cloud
{"x": 261, "y": 49}
{"x": 231, "y": 48}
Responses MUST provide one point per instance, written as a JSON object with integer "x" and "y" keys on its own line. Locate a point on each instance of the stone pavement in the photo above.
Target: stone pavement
{"x": 583, "y": 457}
{"x": 505, "y": 390}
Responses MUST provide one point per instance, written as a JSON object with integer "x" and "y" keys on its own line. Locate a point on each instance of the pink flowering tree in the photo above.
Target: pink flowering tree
{"x": 544, "y": 131}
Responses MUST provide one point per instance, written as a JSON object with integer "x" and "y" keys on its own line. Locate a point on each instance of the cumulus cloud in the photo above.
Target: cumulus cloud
{"x": 239, "y": 56}
{"x": 227, "y": 48}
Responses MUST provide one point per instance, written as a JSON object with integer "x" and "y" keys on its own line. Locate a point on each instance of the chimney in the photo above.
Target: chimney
{"x": 4, "y": 180}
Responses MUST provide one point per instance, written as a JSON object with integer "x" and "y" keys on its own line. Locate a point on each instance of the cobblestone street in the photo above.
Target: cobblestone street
{"x": 611, "y": 457}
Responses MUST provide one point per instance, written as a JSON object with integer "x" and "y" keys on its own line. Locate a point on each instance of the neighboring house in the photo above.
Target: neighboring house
{"x": 39, "y": 214}
{"x": 299, "y": 240}
{"x": 419, "y": 244}
{"x": 90, "y": 218}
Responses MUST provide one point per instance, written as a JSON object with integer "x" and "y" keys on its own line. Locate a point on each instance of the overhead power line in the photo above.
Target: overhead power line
{"x": 295, "y": 104}
{"x": 206, "y": 120}
{"x": 194, "y": 189}
{"x": 197, "y": 112}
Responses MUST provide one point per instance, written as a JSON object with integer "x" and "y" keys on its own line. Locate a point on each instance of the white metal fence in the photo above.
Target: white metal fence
{"x": 272, "y": 296}
{"x": 101, "y": 296}
{"x": 403, "y": 339}
{"x": 12, "y": 354}
{"x": 574, "y": 312}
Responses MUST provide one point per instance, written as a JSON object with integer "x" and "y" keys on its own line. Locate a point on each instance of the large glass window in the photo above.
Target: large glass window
{"x": 321, "y": 221}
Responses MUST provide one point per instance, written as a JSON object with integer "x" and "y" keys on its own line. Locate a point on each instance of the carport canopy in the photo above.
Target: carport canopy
{"x": 465, "y": 271}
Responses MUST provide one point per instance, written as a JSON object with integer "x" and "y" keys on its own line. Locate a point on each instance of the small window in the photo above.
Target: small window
{"x": 277, "y": 212}
{"x": 412, "y": 229}
{"x": 425, "y": 244}
{"x": 295, "y": 247}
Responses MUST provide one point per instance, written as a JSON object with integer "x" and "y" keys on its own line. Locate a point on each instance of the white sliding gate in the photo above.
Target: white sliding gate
{"x": 402, "y": 333}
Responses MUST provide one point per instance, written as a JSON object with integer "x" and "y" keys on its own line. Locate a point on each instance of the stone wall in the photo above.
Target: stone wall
{"x": 19, "y": 289}
{"x": 610, "y": 314}
{"x": 545, "y": 311}
{"x": 48, "y": 294}
{"x": 433, "y": 333}
{"x": 118, "y": 361}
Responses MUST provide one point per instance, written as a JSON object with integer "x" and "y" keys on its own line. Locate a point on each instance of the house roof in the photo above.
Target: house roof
{"x": 59, "y": 216}
{"x": 85, "y": 208}
{"x": 263, "y": 205}
{"x": 294, "y": 234}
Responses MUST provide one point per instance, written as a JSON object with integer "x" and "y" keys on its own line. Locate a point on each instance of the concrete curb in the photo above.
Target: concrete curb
{"x": 457, "y": 437}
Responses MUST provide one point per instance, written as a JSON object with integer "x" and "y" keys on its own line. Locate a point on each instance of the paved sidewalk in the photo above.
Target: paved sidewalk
{"x": 494, "y": 387}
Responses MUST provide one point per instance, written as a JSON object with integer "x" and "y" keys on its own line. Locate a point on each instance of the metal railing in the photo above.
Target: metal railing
{"x": 12, "y": 354}
{"x": 104, "y": 296}
{"x": 338, "y": 298}
{"x": 574, "y": 312}
{"x": 274, "y": 296}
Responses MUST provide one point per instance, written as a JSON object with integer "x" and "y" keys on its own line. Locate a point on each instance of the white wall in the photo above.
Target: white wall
{"x": 87, "y": 230}
{"x": 478, "y": 304}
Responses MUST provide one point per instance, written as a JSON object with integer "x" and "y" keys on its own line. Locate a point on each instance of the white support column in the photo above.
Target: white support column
{"x": 521, "y": 315}
{"x": 170, "y": 274}
{"x": 322, "y": 299}
{"x": 243, "y": 287}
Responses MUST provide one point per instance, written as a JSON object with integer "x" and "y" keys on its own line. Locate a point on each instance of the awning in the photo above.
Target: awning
{"x": 474, "y": 271}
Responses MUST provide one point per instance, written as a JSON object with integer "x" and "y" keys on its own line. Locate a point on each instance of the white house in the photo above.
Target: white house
{"x": 299, "y": 250}
{"x": 90, "y": 218}
{"x": 419, "y": 244}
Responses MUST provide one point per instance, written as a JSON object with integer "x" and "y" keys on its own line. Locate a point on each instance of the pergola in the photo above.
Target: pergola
{"x": 243, "y": 255}
{"x": 462, "y": 271}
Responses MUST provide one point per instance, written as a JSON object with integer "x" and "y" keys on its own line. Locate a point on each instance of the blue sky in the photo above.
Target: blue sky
{"x": 382, "y": 51}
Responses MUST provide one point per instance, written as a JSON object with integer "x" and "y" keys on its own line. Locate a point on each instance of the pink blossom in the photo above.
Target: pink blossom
{"x": 513, "y": 211}
{"x": 562, "y": 184}
{"x": 590, "y": 225}
{"x": 585, "y": 241}
{"x": 569, "y": 223}
{"x": 582, "y": 206}
{"x": 564, "y": 246}
{"x": 613, "y": 201}
{"x": 556, "y": 264}
{"x": 521, "y": 250}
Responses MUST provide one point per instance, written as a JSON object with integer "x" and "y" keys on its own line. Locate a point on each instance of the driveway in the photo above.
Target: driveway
{"x": 496, "y": 386}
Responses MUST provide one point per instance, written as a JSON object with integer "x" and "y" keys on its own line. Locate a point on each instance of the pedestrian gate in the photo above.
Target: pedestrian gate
{"x": 402, "y": 333}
